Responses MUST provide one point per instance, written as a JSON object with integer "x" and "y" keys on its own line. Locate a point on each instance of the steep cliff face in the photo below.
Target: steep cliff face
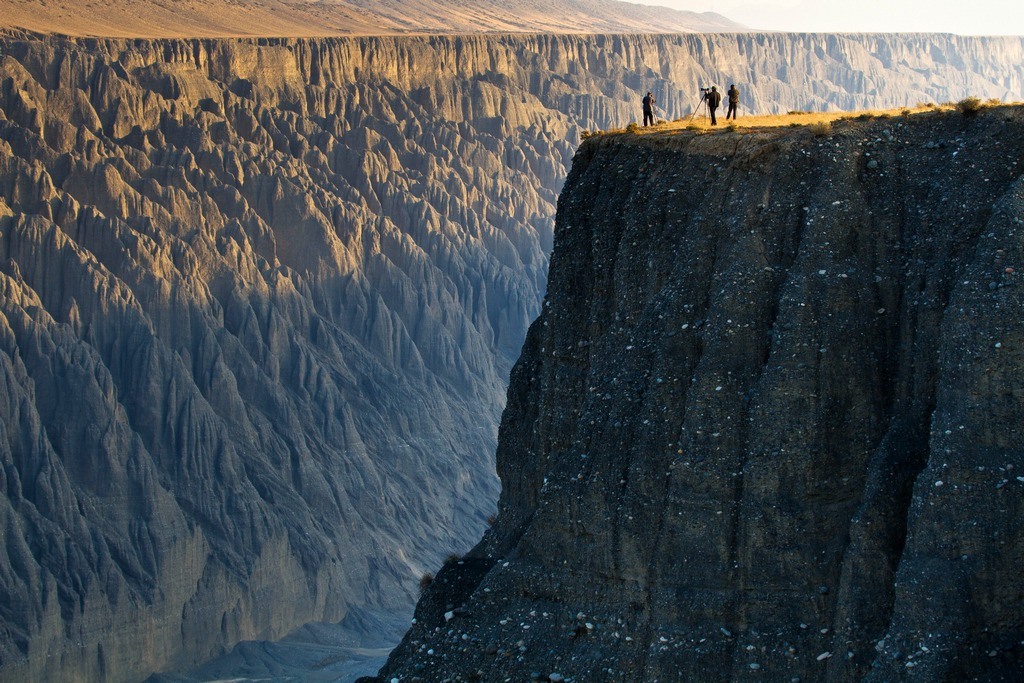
{"x": 258, "y": 301}
{"x": 768, "y": 424}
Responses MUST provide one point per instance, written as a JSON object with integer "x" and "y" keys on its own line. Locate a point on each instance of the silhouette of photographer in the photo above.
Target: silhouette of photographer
{"x": 648, "y": 102}
{"x": 734, "y": 100}
{"x": 714, "y": 98}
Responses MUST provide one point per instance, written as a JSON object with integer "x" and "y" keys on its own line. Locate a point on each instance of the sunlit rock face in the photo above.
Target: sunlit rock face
{"x": 295, "y": 18}
{"x": 768, "y": 424}
{"x": 259, "y": 301}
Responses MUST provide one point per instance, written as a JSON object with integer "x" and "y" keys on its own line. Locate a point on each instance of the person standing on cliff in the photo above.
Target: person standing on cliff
{"x": 714, "y": 99}
{"x": 734, "y": 100}
{"x": 648, "y": 108}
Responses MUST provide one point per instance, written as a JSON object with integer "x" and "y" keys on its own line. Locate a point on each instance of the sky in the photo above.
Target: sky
{"x": 966, "y": 17}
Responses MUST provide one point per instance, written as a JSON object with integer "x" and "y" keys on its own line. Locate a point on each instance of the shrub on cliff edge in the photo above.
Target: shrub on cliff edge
{"x": 969, "y": 106}
{"x": 821, "y": 128}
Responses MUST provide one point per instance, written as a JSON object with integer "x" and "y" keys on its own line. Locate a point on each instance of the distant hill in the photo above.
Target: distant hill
{"x": 302, "y": 18}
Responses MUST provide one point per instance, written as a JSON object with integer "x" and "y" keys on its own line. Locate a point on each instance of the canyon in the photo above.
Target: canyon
{"x": 259, "y": 300}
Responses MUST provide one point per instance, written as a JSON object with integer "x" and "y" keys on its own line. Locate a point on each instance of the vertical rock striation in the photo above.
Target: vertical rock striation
{"x": 258, "y": 300}
{"x": 254, "y": 336}
{"x": 768, "y": 424}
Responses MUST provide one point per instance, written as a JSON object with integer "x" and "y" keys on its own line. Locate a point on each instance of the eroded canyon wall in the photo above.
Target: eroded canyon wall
{"x": 256, "y": 332}
{"x": 259, "y": 300}
{"x": 768, "y": 425}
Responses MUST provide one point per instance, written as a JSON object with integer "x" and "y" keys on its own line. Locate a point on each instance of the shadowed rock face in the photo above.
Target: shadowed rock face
{"x": 258, "y": 301}
{"x": 769, "y": 422}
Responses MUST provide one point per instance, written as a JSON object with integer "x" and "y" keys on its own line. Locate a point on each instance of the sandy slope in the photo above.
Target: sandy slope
{"x": 266, "y": 18}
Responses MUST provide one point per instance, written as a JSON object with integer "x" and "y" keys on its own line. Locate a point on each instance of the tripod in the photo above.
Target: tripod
{"x": 703, "y": 101}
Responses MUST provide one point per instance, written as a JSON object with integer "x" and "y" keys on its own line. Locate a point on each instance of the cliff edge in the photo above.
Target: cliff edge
{"x": 767, "y": 426}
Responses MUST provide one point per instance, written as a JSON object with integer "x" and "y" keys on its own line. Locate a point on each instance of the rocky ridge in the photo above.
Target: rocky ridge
{"x": 259, "y": 299}
{"x": 768, "y": 424}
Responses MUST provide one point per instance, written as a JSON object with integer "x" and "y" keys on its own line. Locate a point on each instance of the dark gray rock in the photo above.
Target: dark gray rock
{"x": 821, "y": 480}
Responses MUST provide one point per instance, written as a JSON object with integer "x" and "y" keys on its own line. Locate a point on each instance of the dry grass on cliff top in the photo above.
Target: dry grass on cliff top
{"x": 819, "y": 123}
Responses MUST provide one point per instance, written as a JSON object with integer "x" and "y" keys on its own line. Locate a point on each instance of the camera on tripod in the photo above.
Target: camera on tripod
{"x": 705, "y": 100}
